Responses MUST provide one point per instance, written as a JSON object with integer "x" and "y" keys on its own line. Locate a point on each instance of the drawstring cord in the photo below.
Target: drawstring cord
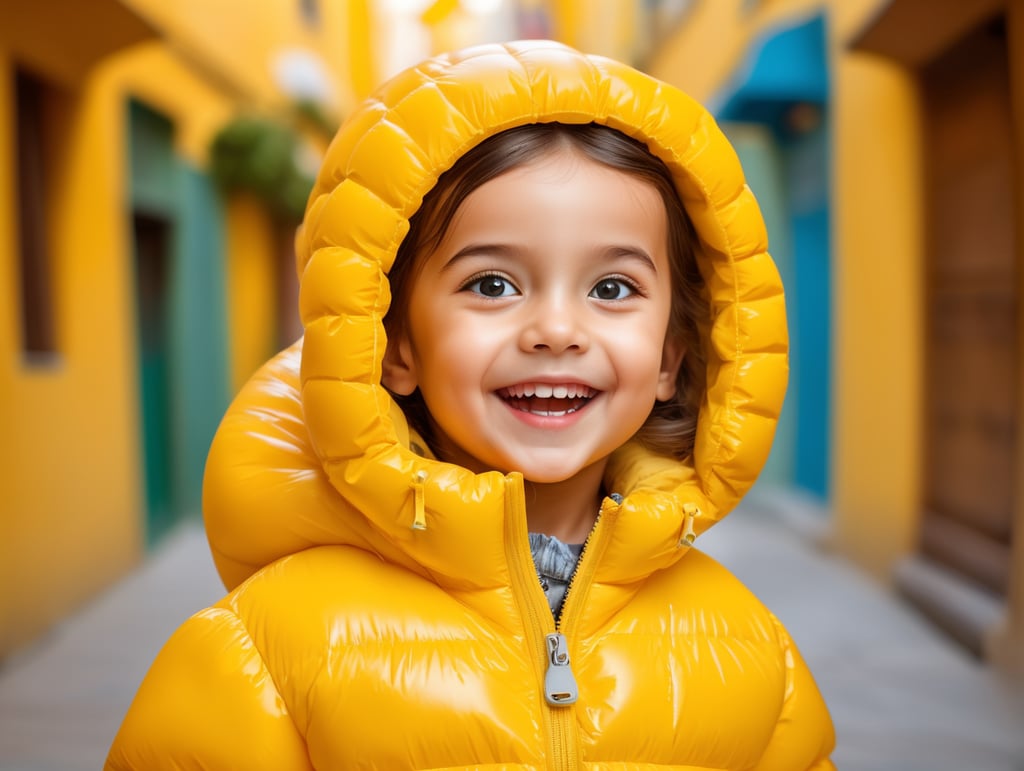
{"x": 419, "y": 521}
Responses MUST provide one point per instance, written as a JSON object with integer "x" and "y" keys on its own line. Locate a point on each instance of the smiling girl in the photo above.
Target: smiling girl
{"x": 545, "y": 349}
{"x": 530, "y": 330}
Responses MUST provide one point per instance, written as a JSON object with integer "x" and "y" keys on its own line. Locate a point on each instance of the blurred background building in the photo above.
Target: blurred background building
{"x": 156, "y": 157}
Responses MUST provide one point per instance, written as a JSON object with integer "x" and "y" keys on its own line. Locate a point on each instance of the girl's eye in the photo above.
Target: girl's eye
{"x": 612, "y": 289}
{"x": 491, "y": 286}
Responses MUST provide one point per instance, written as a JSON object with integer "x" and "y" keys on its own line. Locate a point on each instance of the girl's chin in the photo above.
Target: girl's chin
{"x": 557, "y": 471}
{"x": 542, "y": 466}
{"x": 549, "y": 478}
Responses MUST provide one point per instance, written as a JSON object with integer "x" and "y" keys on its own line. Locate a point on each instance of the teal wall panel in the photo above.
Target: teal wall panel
{"x": 151, "y": 161}
{"x": 199, "y": 324}
{"x": 153, "y": 219}
{"x": 765, "y": 172}
{"x": 178, "y": 227}
{"x": 807, "y": 161}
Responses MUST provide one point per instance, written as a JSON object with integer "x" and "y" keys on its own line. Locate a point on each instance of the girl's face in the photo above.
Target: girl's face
{"x": 536, "y": 330}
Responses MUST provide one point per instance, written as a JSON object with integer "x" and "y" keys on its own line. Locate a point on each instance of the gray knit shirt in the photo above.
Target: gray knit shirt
{"x": 555, "y": 562}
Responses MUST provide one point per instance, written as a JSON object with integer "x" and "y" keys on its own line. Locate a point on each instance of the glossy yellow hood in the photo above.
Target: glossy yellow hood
{"x": 314, "y": 450}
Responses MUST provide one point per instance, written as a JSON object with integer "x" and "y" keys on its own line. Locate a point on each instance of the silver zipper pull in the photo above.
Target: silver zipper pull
{"x": 559, "y": 682}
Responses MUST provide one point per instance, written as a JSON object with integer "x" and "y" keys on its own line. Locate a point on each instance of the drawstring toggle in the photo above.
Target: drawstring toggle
{"x": 689, "y": 535}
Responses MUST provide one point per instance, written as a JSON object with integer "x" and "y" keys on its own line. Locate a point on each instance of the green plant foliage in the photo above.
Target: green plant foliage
{"x": 315, "y": 116}
{"x": 260, "y": 156}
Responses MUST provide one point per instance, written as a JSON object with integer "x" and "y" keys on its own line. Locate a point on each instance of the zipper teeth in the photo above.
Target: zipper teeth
{"x": 557, "y": 719}
{"x": 538, "y": 615}
{"x": 561, "y": 728}
{"x": 581, "y": 563}
{"x": 533, "y": 600}
{"x": 572, "y": 578}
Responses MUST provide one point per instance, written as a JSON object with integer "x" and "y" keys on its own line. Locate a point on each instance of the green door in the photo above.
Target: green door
{"x": 154, "y": 222}
{"x": 177, "y": 223}
{"x": 152, "y": 254}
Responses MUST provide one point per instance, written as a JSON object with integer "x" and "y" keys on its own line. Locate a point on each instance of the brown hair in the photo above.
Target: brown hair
{"x": 672, "y": 424}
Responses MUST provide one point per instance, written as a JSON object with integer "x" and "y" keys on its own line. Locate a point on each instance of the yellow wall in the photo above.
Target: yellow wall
{"x": 877, "y": 253}
{"x": 69, "y": 457}
{"x": 235, "y": 43}
{"x": 252, "y": 260}
{"x": 362, "y": 67}
{"x": 70, "y": 464}
{"x": 878, "y": 293}
{"x": 152, "y": 74}
{"x": 607, "y": 27}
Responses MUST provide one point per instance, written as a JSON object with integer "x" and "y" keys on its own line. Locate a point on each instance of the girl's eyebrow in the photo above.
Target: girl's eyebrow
{"x": 632, "y": 253}
{"x": 471, "y": 250}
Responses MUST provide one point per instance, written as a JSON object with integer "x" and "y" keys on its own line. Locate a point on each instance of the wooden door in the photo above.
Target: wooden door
{"x": 971, "y": 417}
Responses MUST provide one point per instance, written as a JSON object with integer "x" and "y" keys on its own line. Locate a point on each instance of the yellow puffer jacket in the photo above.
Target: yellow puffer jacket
{"x": 399, "y": 622}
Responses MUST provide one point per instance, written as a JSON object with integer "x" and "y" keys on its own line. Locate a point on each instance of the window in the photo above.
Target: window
{"x": 33, "y": 100}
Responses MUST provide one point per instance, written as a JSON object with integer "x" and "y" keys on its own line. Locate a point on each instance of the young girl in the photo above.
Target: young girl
{"x": 545, "y": 349}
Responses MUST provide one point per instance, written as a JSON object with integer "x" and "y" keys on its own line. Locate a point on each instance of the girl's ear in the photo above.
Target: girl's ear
{"x": 671, "y": 360}
{"x": 398, "y": 371}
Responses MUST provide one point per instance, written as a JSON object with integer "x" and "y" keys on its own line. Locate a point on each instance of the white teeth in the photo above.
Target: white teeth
{"x": 547, "y": 391}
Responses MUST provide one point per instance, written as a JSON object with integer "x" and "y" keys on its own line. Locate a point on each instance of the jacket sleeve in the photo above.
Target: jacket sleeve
{"x": 804, "y": 737}
{"x": 208, "y": 702}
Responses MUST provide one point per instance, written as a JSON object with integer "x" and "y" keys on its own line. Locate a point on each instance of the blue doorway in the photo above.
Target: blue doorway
{"x": 783, "y": 88}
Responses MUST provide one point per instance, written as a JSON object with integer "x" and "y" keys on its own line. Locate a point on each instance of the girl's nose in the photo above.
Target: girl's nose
{"x": 555, "y": 327}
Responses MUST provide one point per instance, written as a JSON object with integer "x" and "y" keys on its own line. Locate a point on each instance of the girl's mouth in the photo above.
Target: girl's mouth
{"x": 547, "y": 400}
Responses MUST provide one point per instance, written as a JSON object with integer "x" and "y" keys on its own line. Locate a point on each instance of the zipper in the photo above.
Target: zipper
{"x": 585, "y": 568}
{"x": 548, "y": 641}
{"x": 560, "y": 682}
